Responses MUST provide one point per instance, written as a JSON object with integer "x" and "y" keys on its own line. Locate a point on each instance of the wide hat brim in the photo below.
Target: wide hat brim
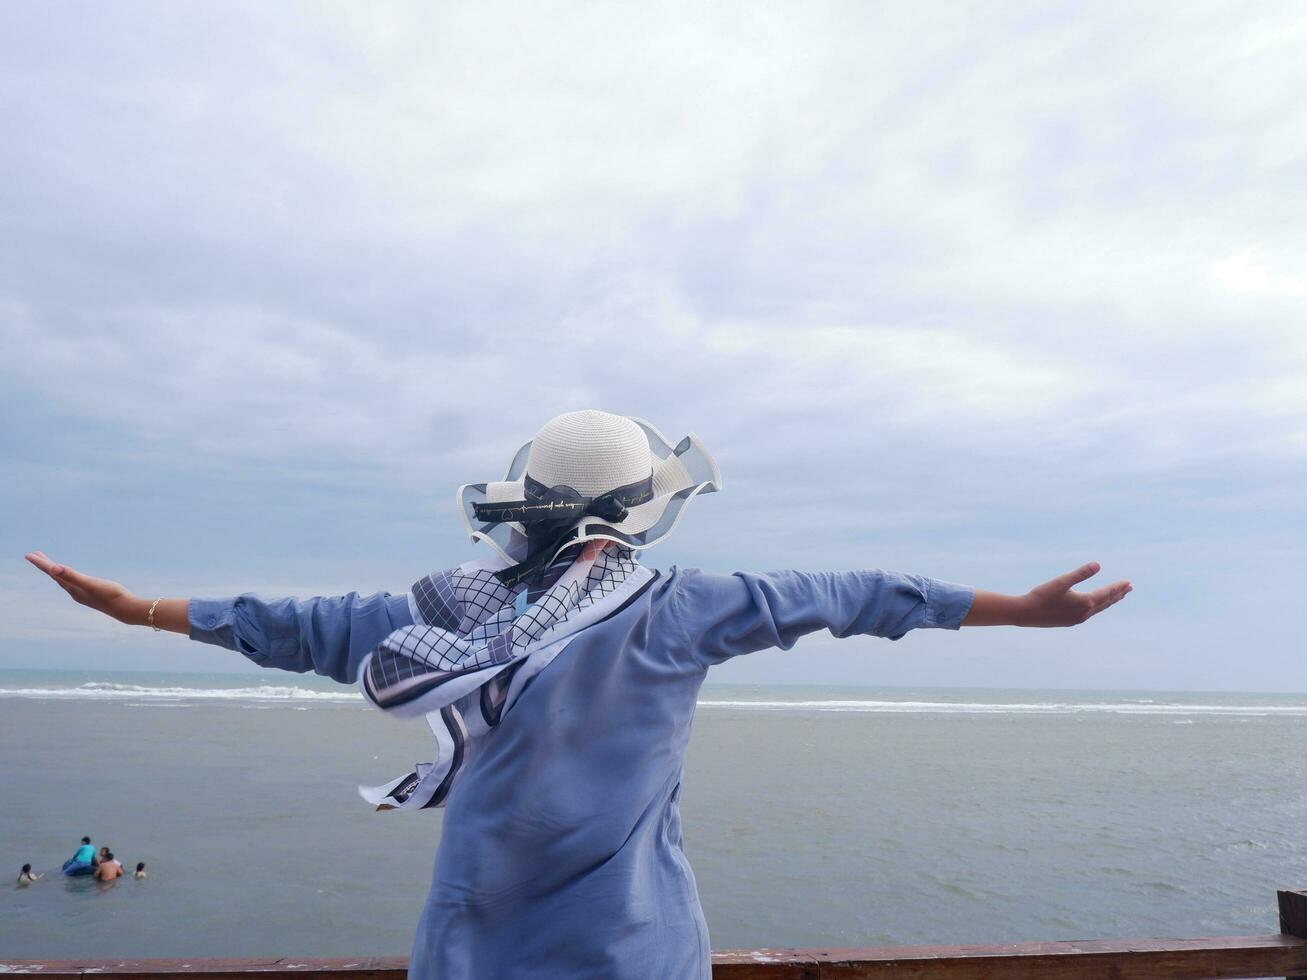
{"x": 680, "y": 473}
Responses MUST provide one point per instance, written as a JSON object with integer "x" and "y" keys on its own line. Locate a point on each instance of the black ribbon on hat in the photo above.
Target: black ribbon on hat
{"x": 550, "y": 513}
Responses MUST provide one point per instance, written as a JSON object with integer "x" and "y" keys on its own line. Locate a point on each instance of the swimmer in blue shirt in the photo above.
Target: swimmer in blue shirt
{"x": 559, "y": 677}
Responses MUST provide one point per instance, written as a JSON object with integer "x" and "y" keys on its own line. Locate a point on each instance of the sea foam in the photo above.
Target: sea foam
{"x": 290, "y": 694}
{"x": 1008, "y": 708}
{"x": 106, "y": 691}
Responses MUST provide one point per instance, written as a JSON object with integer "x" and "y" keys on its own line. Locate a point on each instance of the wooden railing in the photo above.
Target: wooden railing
{"x": 1282, "y": 954}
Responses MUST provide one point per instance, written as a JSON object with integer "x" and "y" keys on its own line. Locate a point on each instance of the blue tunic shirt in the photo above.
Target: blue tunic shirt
{"x": 561, "y": 854}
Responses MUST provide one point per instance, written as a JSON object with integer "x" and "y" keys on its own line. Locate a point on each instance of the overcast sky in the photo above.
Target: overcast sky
{"x": 980, "y": 293}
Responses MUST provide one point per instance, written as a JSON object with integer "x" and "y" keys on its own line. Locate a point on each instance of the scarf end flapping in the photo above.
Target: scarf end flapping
{"x": 427, "y": 786}
{"x": 443, "y": 707}
{"x": 470, "y": 654}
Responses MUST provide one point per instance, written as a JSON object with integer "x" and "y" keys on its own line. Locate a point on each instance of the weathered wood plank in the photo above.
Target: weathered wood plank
{"x": 352, "y": 968}
{"x": 1138, "y": 959}
{"x": 1145, "y": 959}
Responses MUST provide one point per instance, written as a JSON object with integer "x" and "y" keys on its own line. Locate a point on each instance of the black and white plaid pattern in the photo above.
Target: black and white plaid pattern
{"x": 435, "y": 599}
{"x": 457, "y": 663}
{"x": 489, "y": 631}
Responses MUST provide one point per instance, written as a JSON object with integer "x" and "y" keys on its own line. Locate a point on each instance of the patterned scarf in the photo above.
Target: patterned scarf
{"x": 475, "y": 644}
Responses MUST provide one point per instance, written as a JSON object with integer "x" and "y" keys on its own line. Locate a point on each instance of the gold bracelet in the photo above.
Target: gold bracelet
{"x": 149, "y": 617}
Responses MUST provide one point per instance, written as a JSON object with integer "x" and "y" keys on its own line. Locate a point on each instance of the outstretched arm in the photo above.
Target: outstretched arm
{"x": 113, "y": 599}
{"x": 723, "y": 616}
{"x": 330, "y": 636}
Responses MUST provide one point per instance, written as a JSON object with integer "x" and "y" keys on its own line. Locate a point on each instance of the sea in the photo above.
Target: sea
{"x": 814, "y": 816}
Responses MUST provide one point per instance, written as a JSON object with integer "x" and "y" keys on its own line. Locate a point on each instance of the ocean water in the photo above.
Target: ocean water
{"x": 813, "y": 816}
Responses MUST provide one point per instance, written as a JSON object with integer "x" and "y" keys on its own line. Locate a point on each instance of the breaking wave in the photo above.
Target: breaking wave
{"x": 106, "y": 691}
{"x": 1006, "y": 708}
{"x": 304, "y": 696}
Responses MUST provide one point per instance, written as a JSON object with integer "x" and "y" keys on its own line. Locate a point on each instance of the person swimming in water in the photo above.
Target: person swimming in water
{"x": 140, "y": 870}
{"x": 107, "y": 855}
{"x": 27, "y": 875}
{"x": 108, "y": 869}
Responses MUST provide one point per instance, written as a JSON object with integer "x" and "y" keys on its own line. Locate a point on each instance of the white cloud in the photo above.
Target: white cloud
{"x": 919, "y": 376}
{"x": 1242, "y": 273}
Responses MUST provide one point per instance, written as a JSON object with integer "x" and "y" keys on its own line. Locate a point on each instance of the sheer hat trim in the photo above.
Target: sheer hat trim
{"x": 609, "y": 476}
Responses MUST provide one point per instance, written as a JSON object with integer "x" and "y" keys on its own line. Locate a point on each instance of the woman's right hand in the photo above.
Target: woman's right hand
{"x": 99, "y": 594}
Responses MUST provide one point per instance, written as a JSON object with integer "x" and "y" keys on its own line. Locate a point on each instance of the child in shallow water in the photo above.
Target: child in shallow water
{"x": 559, "y": 677}
{"x": 140, "y": 870}
{"x": 27, "y": 875}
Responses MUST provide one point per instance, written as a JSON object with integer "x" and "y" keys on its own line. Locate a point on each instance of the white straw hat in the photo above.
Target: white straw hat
{"x": 616, "y": 476}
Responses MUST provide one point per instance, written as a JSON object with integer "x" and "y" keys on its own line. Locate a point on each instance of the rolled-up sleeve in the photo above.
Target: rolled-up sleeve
{"x": 723, "y": 616}
{"x": 329, "y": 636}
